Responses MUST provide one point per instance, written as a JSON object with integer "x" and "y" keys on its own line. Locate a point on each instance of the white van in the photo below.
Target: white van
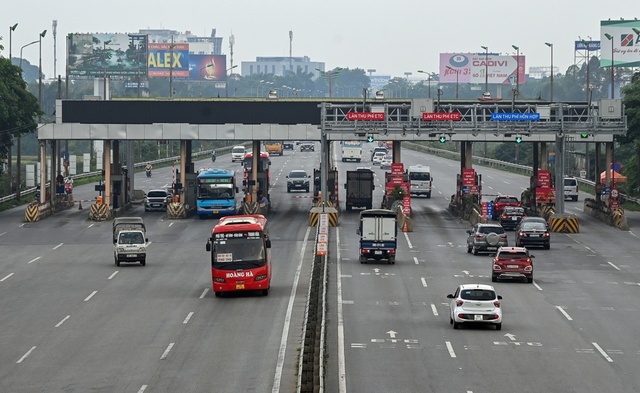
{"x": 420, "y": 180}
{"x": 237, "y": 153}
{"x": 570, "y": 188}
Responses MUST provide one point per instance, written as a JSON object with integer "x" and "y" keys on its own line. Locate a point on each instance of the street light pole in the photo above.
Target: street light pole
{"x": 550, "y": 45}
{"x": 44, "y": 32}
{"x": 486, "y": 69}
{"x": 613, "y": 76}
{"x": 11, "y": 30}
{"x": 517, "y": 48}
{"x": 18, "y": 147}
{"x": 104, "y": 60}
{"x": 457, "y": 74}
{"x": 586, "y": 43}
{"x": 428, "y": 80}
{"x": 9, "y": 159}
{"x": 171, "y": 69}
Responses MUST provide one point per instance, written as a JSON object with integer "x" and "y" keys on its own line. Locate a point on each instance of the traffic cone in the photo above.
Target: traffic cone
{"x": 80, "y": 205}
{"x": 404, "y": 227}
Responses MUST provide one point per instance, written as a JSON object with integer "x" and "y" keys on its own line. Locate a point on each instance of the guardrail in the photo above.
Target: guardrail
{"x": 32, "y": 190}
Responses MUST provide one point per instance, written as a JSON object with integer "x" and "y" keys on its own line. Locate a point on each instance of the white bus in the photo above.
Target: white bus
{"x": 351, "y": 151}
{"x": 420, "y": 180}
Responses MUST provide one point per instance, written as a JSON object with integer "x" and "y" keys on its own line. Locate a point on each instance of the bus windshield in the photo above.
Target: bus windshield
{"x": 238, "y": 252}
{"x": 215, "y": 191}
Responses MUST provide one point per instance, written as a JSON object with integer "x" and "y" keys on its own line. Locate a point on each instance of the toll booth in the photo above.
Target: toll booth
{"x": 332, "y": 186}
{"x": 119, "y": 186}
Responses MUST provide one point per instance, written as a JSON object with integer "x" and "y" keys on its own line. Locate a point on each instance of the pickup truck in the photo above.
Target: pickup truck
{"x": 129, "y": 240}
{"x": 501, "y": 202}
{"x": 274, "y": 148}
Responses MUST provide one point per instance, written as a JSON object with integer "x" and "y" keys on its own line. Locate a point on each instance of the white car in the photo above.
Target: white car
{"x": 475, "y": 303}
{"x": 378, "y": 157}
{"x": 386, "y": 162}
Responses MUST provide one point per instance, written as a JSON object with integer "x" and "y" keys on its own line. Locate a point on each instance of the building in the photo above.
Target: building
{"x": 279, "y": 66}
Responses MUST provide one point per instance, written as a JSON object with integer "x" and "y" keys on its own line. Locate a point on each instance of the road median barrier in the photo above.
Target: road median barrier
{"x": 32, "y": 212}
{"x": 315, "y": 212}
{"x": 619, "y": 219}
{"x": 564, "y": 223}
{"x": 176, "y": 210}
{"x": 99, "y": 212}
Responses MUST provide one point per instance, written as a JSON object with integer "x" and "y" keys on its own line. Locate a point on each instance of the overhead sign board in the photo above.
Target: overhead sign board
{"x": 441, "y": 116}
{"x": 481, "y": 67}
{"x": 366, "y": 116}
{"x": 531, "y": 116}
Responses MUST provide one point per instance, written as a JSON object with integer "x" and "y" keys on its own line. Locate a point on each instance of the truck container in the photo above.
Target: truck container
{"x": 378, "y": 235}
{"x": 359, "y": 189}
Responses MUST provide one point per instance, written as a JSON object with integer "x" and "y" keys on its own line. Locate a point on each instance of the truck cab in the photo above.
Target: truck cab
{"x": 130, "y": 240}
{"x": 274, "y": 147}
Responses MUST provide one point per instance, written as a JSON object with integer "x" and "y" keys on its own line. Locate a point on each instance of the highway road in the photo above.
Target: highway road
{"x": 72, "y": 321}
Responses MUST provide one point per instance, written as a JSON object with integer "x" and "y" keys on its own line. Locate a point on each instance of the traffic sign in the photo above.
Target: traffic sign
{"x": 468, "y": 177}
{"x": 615, "y": 193}
{"x": 529, "y": 116}
{"x": 366, "y": 116}
{"x": 437, "y": 116}
{"x": 370, "y": 138}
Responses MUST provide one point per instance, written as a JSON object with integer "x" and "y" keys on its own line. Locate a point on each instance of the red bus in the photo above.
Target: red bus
{"x": 240, "y": 254}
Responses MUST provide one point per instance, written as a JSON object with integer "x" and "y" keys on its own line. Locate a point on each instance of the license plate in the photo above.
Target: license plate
{"x": 492, "y": 248}
{"x": 377, "y": 252}
{"x": 132, "y": 255}
{"x": 215, "y": 212}
{"x": 477, "y": 317}
{"x": 513, "y": 266}
{"x": 514, "y": 218}
{"x": 239, "y": 286}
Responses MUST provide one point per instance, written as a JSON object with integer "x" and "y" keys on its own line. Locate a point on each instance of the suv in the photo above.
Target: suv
{"x": 512, "y": 262}
{"x": 486, "y": 237}
{"x": 298, "y": 179}
{"x": 156, "y": 200}
{"x": 501, "y": 202}
{"x": 307, "y": 146}
{"x": 571, "y": 188}
{"x": 475, "y": 303}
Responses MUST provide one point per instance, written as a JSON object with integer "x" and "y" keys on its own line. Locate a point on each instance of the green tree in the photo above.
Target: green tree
{"x": 631, "y": 102}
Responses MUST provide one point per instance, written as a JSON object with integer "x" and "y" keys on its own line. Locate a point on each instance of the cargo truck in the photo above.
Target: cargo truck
{"x": 359, "y": 189}
{"x": 378, "y": 235}
{"x": 274, "y": 147}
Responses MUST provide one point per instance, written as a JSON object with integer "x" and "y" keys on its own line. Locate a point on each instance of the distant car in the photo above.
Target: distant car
{"x": 475, "y": 303}
{"x": 501, "y": 202}
{"x": 486, "y": 238}
{"x": 287, "y": 145}
{"x": 378, "y": 157}
{"x": 570, "y": 188}
{"x": 364, "y": 169}
{"x": 511, "y": 217}
{"x": 541, "y": 220}
{"x": 156, "y": 200}
{"x": 533, "y": 233}
{"x": 298, "y": 179}
{"x": 307, "y": 146}
{"x": 379, "y": 149}
{"x": 386, "y": 162}
{"x": 512, "y": 262}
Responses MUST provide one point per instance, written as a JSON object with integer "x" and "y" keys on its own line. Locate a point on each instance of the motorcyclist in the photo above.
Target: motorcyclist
{"x": 213, "y": 156}
{"x": 148, "y": 169}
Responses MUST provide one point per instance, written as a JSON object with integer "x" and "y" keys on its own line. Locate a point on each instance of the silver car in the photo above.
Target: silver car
{"x": 486, "y": 238}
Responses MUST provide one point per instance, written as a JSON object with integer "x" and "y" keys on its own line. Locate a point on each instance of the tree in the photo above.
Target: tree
{"x": 632, "y": 110}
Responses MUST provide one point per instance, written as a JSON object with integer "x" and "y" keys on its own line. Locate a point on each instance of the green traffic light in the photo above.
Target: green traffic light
{"x": 370, "y": 138}
{"x": 443, "y": 139}
{"x": 584, "y": 135}
{"x": 518, "y": 139}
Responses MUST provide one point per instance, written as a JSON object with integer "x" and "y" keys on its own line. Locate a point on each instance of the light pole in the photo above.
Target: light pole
{"x": 486, "y": 70}
{"x": 11, "y": 30}
{"x": 428, "y": 80}
{"x": 517, "y": 48}
{"x": 104, "y": 60}
{"x": 226, "y": 83}
{"x": 171, "y": 69}
{"x": 18, "y": 147}
{"x": 457, "y": 73}
{"x": 550, "y": 45}
{"x": 44, "y": 32}
{"x": 329, "y": 75}
{"x": 586, "y": 43}
{"x": 9, "y": 159}
{"x": 610, "y": 38}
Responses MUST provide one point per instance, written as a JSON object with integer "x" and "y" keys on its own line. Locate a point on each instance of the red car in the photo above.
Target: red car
{"x": 501, "y": 202}
{"x": 512, "y": 262}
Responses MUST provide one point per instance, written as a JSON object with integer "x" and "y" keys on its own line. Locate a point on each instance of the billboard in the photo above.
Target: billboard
{"x": 379, "y": 81}
{"x": 625, "y": 43}
{"x": 168, "y": 60}
{"x": 475, "y": 67}
{"x": 208, "y": 68}
{"x": 90, "y": 55}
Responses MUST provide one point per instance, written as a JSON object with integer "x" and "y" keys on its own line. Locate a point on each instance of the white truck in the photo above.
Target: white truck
{"x": 130, "y": 240}
{"x": 420, "y": 180}
{"x": 351, "y": 151}
{"x": 378, "y": 235}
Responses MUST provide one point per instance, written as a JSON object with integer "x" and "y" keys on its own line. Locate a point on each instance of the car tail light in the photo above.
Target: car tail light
{"x": 505, "y": 217}
{"x": 528, "y": 268}
{"x": 496, "y": 303}
{"x": 503, "y": 236}
{"x": 459, "y": 302}
{"x": 392, "y": 251}
{"x": 494, "y": 316}
{"x": 479, "y": 236}
{"x": 261, "y": 277}
{"x": 365, "y": 251}
{"x": 218, "y": 279}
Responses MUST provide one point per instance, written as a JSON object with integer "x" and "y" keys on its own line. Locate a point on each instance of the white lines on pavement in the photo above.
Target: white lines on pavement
{"x": 21, "y": 225}
{"x": 113, "y": 275}
{"x": 25, "y": 355}
{"x": 505, "y": 182}
{"x": 408, "y": 241}
{"x": 424, "y": 281}
{"x": 90, "y": 225}
{"x": 33, "y": 260}
{"x": 434, "y": 310}
{"x": 415, "y": 259}
{"x": 602, "y": 352}
{"x": 535, "y": 284}
{"x": 63, "y": 321}
{"x": 587, "y": 247}
{"x": 142, "y": 389}
{"x": 166, "y": 351}
{"x": 58, "y": 246}
{"x": 171, "y": 223}
{"x": 90, "y": 296}
{"x": 564, "y": 313}
{"x": 450, "y": 349}
{"x": 347, "y": 302}
{"x": 186, "y": 320}
{"x": 342, "y": 375}
{"x": 634, "y": 235}
{"x": 204, "y": 293}
{"x": 7, "y": 276}
{"x": 3, "y": 233}
{"x": 614, "y": 266}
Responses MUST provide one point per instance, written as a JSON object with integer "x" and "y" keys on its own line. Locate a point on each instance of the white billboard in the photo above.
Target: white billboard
{"x": 624, "y": 42}
{"x": 481, "y": 67}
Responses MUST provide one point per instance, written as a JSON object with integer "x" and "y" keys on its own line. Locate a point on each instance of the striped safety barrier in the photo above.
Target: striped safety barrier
{"x": 619, "y": 219}
{"x": 315, "y": 212}
{"x": 176, "y": 210}
{"x": 250, "y": 208}
{"x": 32, "y": 213}
{"x": 564, "y": 224}
{"x": 98, "y": 212}
{"x": 547, "y": 211}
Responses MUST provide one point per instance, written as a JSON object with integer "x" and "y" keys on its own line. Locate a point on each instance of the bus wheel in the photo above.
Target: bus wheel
{"x": 265, "y": 292}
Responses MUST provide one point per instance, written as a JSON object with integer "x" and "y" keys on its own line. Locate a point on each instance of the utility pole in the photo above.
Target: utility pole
{"x": 54, "y": 27}
{"x": 171, "y": 69}
{"x": 290, "y": 50}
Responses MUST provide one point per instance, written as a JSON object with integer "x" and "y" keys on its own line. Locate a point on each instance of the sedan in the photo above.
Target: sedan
{"x": 511, "y": 217}
{"x": 475, "y": 303}
{"x": 533, "y": 234}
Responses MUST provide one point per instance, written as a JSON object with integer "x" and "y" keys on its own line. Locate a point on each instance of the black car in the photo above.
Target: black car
{"x": 511, "y": 217}
{"x": 533, "y": 233}
{"x": 287, "y": 145}
{"x": 298, "y": 179}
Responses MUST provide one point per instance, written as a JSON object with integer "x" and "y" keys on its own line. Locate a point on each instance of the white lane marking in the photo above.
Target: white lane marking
{"x": 58, "y": 246}
{"x": 25, "y": 355}
{"x": 204, "y": 293}
{"x": 535, "y": 284}
{"x": 424, "y": 281}
{"x": 186, "y": 320}
{"x": 90, "y": 296}
{"x": 166, "y": 351}
{"x": 614, "y": 266}
{"x": 634, "y": 235}
{"x": 602, "y": 352}
{"x": 277, "y": 378}
{"x": 33, "y": 260}
{"x": 408, "y": 241}
{"x": 342, "y": 375}
{"x": 434, "y": 310}
{"x": 415, "y": 259}
{"x": 63, "y": 321}
{"x": 450, "y": 349}
{"x": 171, "y": 223}
{"x": 589, "y": 249}
{"x": 91, "y": 225}
{"x": 21, "y": 225}
{"x": 113, "y": 275}
{"x": 142, "y": 389}
{"x": 7, "y": 276}
{"x": 3, "y": 233}
{"x": 564, "y": 313}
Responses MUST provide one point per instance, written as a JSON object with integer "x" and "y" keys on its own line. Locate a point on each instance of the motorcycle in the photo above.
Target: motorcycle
{"x": 213, "y": 156}
{"x": 148, "y": 172}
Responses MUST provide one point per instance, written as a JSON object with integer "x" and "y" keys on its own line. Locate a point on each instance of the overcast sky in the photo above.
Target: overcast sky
{"x": 392, "y": 37}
